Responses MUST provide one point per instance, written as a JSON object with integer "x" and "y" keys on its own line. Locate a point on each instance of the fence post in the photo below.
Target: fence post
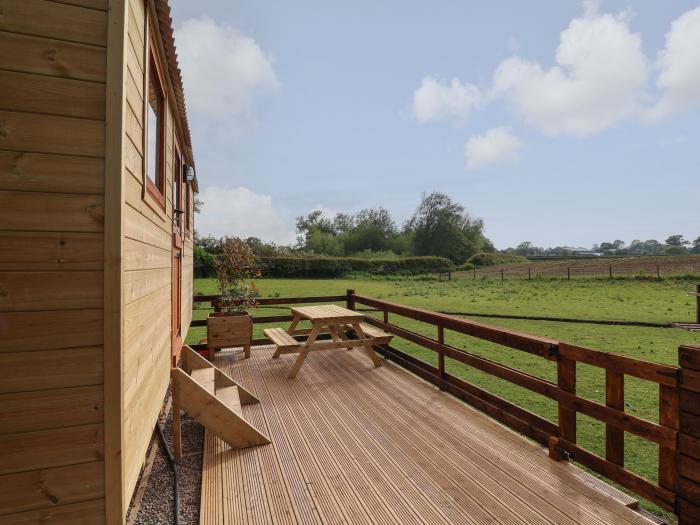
{"x": 529, "y": 273}
{"x": 611, "y": 271}
{"x": 441, "y": 355}
{"x": 568, "y": 273}
{"x": 669, "y": 400}
{"x": 688, "y": 457}
{"x": 697, "y": 300}
{"x": 615, "y": 398}
{"x": 386, "y": 321}
{"x": 502, "y": 278}
{"x": 566, "y": 380}
{"x": 658, "y": 272}
{"x": 350, "y": 299}
{"x": 475, "y": 274}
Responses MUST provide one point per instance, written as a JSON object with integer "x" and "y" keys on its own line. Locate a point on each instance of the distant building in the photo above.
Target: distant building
{"x": 580, "y": 251}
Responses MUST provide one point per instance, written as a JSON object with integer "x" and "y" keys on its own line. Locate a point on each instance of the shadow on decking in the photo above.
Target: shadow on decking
{"x": 355, "y": 444}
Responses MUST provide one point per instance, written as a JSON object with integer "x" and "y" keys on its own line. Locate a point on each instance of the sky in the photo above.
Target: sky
{"x": 556, "y": 122}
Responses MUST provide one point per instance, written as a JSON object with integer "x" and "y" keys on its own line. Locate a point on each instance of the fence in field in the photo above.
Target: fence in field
{"x": 676, "y": 433}
{"x": 572, "y": 270}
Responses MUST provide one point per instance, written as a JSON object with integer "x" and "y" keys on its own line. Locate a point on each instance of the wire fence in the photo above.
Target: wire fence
{"x": 572, "y": 271}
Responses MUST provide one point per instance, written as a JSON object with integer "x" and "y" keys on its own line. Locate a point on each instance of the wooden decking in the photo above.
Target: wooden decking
{"x": 356, "y": 444}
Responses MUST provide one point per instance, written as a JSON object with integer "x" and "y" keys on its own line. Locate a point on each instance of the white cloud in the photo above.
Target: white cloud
{"x": 679, "y": 66}
{"x": 241, "y": 212}
{"x": 223, "y": 72}
{"x": 436, "y": 100}
{"x": 598, "y": 81}
{"x": 497, "y": 145}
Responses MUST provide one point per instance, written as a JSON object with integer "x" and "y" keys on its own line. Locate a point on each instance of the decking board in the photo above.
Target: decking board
{"x": 355, "y": 444}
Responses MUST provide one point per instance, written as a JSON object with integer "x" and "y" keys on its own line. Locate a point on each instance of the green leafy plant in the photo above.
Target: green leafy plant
{"x": 235, "y": 271}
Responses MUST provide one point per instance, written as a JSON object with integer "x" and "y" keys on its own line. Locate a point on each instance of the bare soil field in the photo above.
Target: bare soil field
{"x": 659, "y": 266}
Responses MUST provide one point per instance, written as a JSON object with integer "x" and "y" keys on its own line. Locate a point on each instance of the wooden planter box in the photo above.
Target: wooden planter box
{"x": 225, "y": 330}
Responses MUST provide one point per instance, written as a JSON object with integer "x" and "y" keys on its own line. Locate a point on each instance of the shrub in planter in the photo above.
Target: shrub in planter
{"x": 233, "y": 325}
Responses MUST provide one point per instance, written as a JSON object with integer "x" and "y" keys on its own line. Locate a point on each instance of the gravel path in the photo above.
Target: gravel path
{"x": 156, "y": 506}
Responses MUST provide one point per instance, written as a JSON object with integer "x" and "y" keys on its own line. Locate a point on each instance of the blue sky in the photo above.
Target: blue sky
{"x": 557, "y": 122}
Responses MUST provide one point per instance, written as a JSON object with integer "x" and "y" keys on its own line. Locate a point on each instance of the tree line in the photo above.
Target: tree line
{"x": 673, "y": 245}
{"x": 439, "y": 227}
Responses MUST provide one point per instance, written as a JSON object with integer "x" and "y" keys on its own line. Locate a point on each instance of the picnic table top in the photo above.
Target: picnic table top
{"x": 329, "y": 313}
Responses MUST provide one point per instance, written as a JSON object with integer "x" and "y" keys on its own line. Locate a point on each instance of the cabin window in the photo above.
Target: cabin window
{"x": 155, "y": 110}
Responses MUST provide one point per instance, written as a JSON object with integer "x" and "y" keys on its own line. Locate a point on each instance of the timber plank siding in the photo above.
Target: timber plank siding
{"x": 86, "y": 265}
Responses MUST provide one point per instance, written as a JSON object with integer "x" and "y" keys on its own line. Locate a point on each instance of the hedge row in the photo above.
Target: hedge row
{"x": 494, "y": 258}
{"x": 205, "y": 266}
{"x": 338, "y": 266}
{"x": 204, "y": 263}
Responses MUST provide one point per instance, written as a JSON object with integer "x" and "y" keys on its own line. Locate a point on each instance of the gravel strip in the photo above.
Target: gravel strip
{"x": 157, "y": 504}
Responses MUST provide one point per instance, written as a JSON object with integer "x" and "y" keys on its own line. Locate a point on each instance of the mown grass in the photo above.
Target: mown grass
{"x": 622, "y": 300}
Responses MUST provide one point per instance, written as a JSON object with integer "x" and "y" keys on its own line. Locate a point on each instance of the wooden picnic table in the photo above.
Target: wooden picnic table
{"x": 331, "y": 319}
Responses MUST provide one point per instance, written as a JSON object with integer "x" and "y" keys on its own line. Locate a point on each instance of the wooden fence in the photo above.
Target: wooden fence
{"x": 677, "y": 432}
{"x": 573, "y": 270}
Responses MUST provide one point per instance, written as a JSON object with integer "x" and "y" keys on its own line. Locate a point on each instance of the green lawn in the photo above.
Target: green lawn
{"x": 630, "y": 300}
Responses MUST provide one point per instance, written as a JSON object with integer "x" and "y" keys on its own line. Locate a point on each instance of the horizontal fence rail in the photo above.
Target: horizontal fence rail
{"x": 677, "y": 432}
{"x": 561, "y": 439}
{"x": 215, "y": 304}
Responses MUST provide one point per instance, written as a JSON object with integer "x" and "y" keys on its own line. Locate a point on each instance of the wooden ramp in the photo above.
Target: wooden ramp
{"x": 356, "y": 444}
{"x": 211, "y": 397}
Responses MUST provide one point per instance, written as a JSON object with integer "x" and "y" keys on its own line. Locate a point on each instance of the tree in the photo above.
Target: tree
{"x": 696, "y": 246}
{"x": 487, "y": 246}
{"x": 653, "y": 247}
{"x": 606, "y": 247}
{"x": 315, "y": 221}
{"x": 373, "y": 230}
{"x": 527, "y": 248}
{"x": 675, "y": 250}
{"x": 314, "y": 224}
{"x": 636, "y": 247}
{"x": 323, "y": 243}
{"x": 443, "y": 228}
{"x": 524, "y": 248}
{"x": 618, "y": 244}
{"x": 676, "y": 240}
{"x": 343, "y": 222}
{"x": 209, "y": 243}
{"x": 263, "y": 249}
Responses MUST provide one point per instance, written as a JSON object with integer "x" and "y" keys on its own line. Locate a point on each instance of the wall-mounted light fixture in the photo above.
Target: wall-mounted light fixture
{"x": 189, "y": 173}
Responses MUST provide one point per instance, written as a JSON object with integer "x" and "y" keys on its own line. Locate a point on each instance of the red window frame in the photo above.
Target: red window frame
{"x": 156, "y": 189}
{"x": 178, "y": 185}
{"x": 188, "y": 208}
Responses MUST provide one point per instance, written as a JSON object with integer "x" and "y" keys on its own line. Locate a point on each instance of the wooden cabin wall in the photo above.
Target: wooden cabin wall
{"x": 188, "y": 275}
{"x": 52, "y": 147}
{"x": 148, "y": 231}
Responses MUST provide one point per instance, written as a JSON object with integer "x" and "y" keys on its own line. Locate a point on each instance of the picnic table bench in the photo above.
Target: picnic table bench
{"x": 344, "y": 326}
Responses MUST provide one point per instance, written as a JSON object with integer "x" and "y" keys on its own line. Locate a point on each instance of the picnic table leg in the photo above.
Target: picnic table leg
{"x": 368, "y": 349}
{"x": 290, "y": 330}
{"x": 302, "y": 355}
{"x": 292, "y": 327}
{"x": 343, "y": 337}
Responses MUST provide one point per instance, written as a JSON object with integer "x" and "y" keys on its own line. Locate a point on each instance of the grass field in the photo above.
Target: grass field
{"x": 667, "y": 265}
{"x": 625, "y": 300}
